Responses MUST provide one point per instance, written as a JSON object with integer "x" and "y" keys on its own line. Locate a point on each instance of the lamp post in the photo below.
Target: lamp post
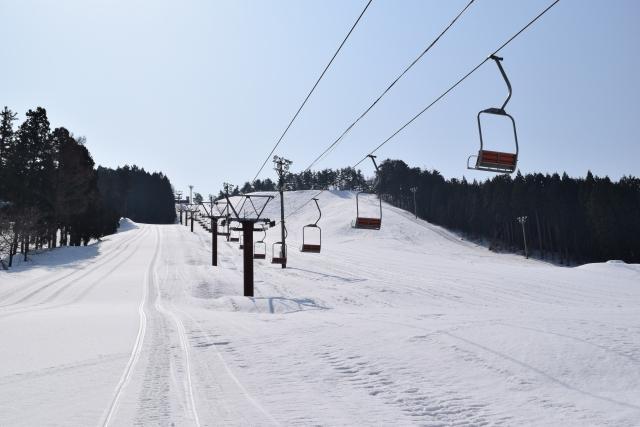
{"x": 415, "y": 208}
{"x": 522, "y": 220}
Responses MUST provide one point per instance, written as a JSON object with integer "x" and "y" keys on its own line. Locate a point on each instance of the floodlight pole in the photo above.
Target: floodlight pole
{"x": 282, "y": 168}
{"x": 415, "y": 208}
{"x": 522, "y": 220}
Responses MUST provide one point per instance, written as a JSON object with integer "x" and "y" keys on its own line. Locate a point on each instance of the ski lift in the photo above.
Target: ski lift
{"x": 312, "y": 247}
{"x": 260, "y": 247}
{"x": 496, "y": 161}
{"x": 223, "y": 229}
{"x": 282, "y": 251}
{"x": 370, "y": 223}
{"x": 235, "y": 234}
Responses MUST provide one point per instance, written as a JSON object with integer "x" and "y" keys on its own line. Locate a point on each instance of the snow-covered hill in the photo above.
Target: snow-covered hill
{"x": 408, "y": 325}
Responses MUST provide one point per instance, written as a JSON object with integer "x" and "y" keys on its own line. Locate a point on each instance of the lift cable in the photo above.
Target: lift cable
{"x": 436, "y": 100}
{"x": 415, "y": 61}
{"x": 473, "y": 70}
{"x": 311, "y": 91}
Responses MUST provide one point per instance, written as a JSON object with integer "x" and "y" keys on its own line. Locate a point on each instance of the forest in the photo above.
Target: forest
{"x": 568, "y": 220}
{"x": 341, "y": 179}
{"x": 52, "y": 195}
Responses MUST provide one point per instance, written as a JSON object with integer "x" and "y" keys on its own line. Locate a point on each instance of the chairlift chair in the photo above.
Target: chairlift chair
{"x": 496, "y": 161}
{"x": 282, "y": 253}
{"x": 281, "y": 258}
{"x": 260, "y": 247}
{"x": 235, "y": 234}
{"x": 238, "y": 236}
{"x": 369, "y": 223}
{"x": 312, "y": 247}
{"x": 222, "y": 229}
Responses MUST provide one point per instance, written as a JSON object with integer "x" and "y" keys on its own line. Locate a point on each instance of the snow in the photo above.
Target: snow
{"x": 408, "y": 325}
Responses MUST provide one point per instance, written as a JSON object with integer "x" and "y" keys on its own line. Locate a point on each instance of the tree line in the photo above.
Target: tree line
{"x": 569, "y": 220}
{"x": 51, "y": 194}
{"x": 341, "y": 179}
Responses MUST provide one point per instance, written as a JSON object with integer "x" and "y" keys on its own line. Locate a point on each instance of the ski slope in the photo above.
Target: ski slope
{"x": 408, "y": 325}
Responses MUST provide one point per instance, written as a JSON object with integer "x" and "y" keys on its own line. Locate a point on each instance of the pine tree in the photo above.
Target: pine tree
{"x": 7, "y": 117}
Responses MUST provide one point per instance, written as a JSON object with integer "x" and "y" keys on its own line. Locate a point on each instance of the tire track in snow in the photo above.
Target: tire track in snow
{"x": 432, "y": 402}
{"x": 231, "y": 375}
{"x": 572, "y": 338}
{"x": 540, "y": 372}
{"x": 137, "y": 347}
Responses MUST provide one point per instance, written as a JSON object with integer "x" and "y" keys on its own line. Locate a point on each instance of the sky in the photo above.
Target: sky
{"x": 202, "y": 90}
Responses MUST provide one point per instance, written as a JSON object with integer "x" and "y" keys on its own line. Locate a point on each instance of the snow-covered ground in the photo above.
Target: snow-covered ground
{"x": 408, "y": 325}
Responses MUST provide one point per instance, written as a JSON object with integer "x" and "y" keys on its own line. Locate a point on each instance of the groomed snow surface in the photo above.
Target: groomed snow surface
{"x": 408, "y": 325}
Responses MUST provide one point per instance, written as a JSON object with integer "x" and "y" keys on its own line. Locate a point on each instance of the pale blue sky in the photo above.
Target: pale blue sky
{"x": 202, "y": 89}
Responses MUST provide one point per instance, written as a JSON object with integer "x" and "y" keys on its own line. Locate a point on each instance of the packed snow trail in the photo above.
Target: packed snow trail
{"x": 408, "y": 325}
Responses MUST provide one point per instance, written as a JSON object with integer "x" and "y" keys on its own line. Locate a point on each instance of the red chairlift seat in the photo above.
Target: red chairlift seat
{"x": 368, "y": 223}
{"x": 496, "y": 161}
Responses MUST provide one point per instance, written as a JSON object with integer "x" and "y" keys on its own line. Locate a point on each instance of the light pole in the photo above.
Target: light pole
{"x": 415, "y": 208}
{"x": 282, "y": 168}
{"x": 522, "y": 220}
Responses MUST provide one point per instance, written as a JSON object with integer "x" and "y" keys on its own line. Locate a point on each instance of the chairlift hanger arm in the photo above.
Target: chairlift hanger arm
{"x": 498, "y": 61}
{"x": 315, "y": 199}
{"x": 373, "y": 159}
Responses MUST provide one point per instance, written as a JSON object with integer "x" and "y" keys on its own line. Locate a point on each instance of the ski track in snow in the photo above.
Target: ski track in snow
{"x": 408, "y": 325}
{"x": 110, "y": 264}
{"x": 154, "y": 344}
{"x": 135, "y": 351}
{"x": 184, "y": 343}
{"x": 111, "y": 260}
